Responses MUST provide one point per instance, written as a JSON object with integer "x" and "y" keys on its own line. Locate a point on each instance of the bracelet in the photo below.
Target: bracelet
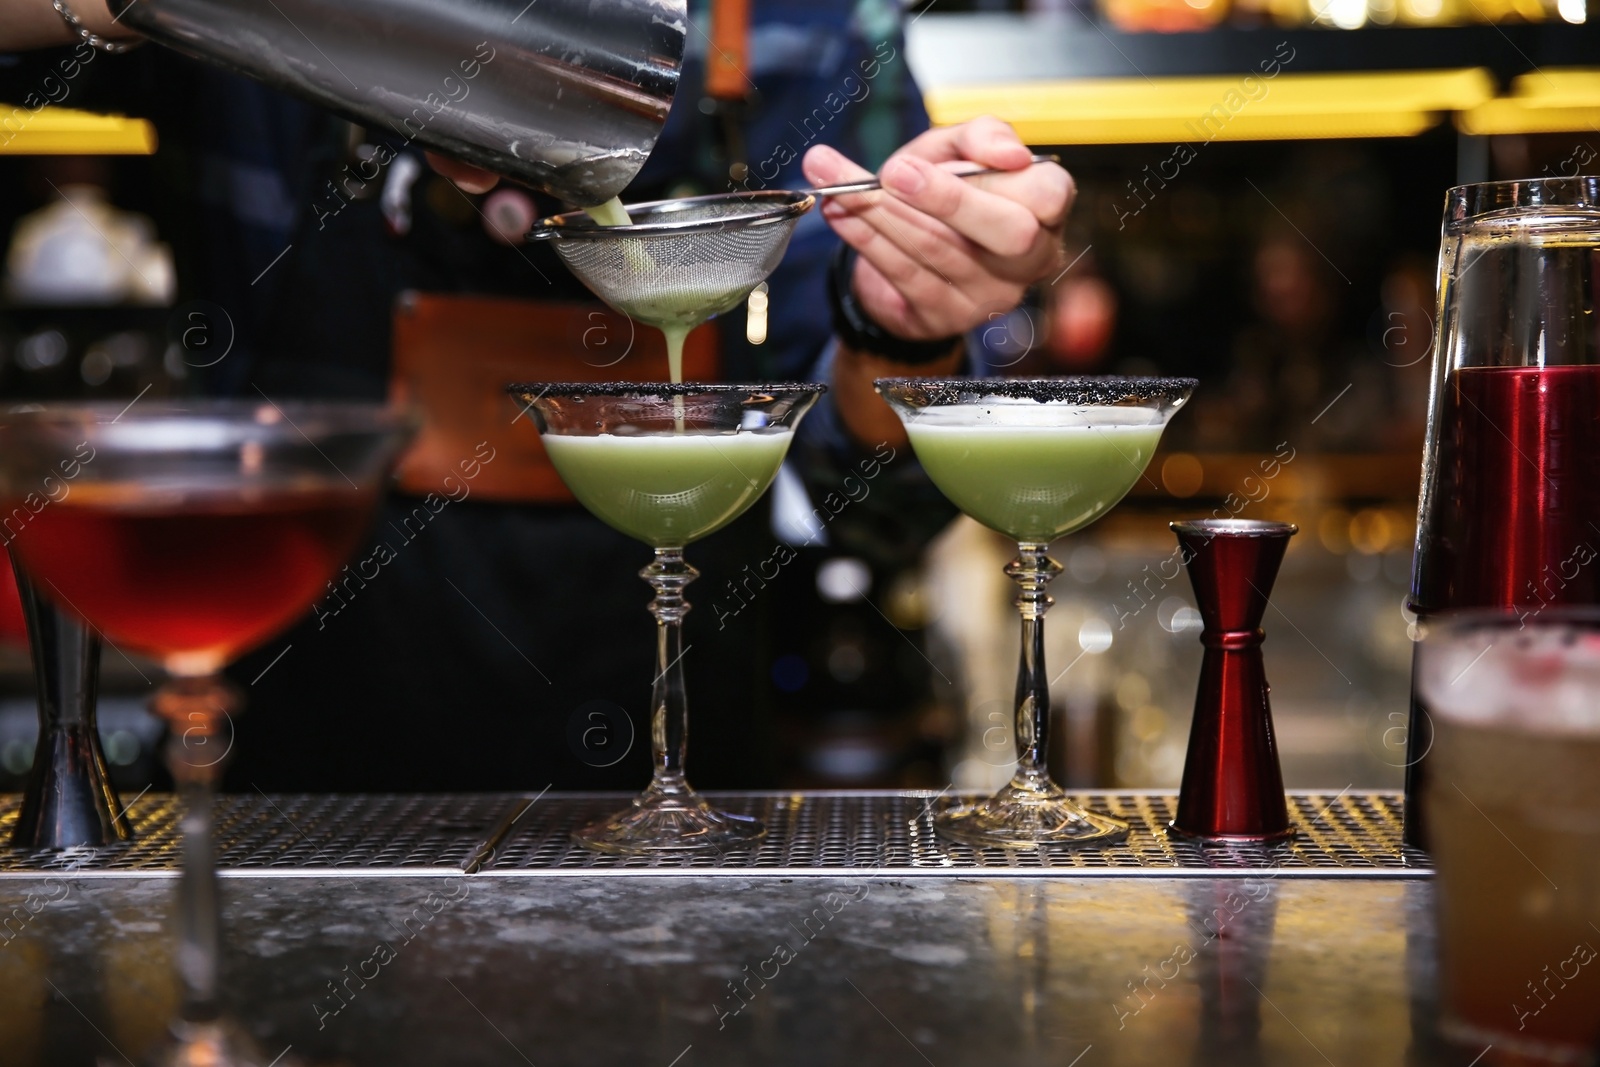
{"x": 857, "y": 329}
{"x": 93, "y": 40}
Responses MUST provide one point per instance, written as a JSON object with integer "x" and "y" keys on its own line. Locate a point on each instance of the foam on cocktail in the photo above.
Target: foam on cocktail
{"x": 1512, "y": 801}
{"x": 1543, "y": 680}
{"x": 668, "y": 489}
{"x": 1032, "y": 471}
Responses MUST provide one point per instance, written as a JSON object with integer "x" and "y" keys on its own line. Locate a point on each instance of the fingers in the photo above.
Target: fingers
{"x": 1046, "y": 189}
{"x": 468, "y": 179}
{"x": 994, "y": 222}
{"x": 984, "y": 140}
{"x": 935, "y": 245}
{"x": 916, "y": 232}
{"x": 935, "y": 249}
{"x": 993, "y": 143}
{"x": 825, "y": 165}
{"x": 1002, "y": 213}
{"x": 917, "y": 285}
{"x": 913, "y": 297}
{"x": 873, "y": 216}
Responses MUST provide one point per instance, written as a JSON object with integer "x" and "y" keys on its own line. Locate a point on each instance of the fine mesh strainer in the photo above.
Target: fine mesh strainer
{"x": 681, "y": 261}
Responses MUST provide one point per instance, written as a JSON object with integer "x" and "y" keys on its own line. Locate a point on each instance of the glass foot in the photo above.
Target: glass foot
{"x": 1019, "y": 817}
{"x": 676, "y": 822}
{"x": 218, "y": 1043}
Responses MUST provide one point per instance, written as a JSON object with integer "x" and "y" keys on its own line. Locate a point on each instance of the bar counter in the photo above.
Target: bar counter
{"x": 467, "y": 930}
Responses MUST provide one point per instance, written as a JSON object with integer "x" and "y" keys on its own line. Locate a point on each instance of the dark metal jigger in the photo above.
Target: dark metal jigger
{"x": 1232, "y": 787}
{"x": 69, "y": 800}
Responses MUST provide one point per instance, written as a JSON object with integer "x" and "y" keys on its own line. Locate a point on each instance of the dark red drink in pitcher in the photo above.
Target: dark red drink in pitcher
{"x": 1514, "y": 521}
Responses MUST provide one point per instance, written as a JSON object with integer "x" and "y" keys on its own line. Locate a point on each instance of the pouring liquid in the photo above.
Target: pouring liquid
{"x": 695, "y": 305}
{"x": 610, "y": 213}
{"x": 675, "y": 336}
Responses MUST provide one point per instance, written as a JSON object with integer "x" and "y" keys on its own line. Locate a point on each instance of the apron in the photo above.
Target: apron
{"x": 454, "y": 354}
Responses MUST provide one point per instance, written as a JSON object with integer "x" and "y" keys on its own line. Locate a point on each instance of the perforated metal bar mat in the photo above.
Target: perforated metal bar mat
{"x": 1349, "y": 834}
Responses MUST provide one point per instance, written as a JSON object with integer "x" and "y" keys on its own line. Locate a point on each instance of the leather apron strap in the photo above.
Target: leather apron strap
{"x": 455, "y": 354}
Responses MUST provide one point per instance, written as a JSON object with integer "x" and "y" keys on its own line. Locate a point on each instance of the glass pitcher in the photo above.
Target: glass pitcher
{"x": 1509, "y": 515}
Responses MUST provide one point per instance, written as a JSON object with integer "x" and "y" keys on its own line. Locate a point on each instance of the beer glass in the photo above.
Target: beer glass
{"x": 1513, "y": 802}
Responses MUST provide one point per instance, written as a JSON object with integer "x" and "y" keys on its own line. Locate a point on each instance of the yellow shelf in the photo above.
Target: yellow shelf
{"x": 1558, "y": 87}
{"x": 54, "y": 131}
{"x": 1233, "y": 108}
{"x": 1549, "y": 101}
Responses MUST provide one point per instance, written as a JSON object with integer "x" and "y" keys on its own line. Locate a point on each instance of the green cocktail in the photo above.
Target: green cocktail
{"x": 1034, "y": 483}
{"x": 668, "y": 464}
{"x": 669, "y": 489}
{"x": 1034, "y": 459}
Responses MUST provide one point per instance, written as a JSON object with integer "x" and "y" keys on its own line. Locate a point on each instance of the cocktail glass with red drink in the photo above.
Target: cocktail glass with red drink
{"x": 192, "y": 533}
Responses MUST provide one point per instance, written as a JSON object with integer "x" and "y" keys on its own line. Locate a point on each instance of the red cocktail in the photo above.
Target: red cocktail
{"x": 203, "y": 575}
{"x": 193, "y": 532}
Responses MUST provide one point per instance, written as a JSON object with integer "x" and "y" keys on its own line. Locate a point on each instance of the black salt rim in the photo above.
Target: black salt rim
{"x": 1099, "y": 391}
{"x": 531, "y": 391}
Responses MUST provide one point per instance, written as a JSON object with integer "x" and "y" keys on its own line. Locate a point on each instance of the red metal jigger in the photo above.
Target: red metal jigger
{"x": 1232, "y": 787}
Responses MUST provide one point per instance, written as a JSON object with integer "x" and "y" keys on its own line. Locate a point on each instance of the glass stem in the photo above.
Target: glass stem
{"x": 668, "y": 574}
{"x": 1032, "y": 571}
{"x": 198, "y": 712}
{"x": 199, "y": 913}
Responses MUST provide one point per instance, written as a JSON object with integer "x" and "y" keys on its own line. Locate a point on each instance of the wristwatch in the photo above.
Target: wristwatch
{"x": 856, "y": 328}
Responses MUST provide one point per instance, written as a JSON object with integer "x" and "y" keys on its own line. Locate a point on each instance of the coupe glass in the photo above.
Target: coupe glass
{"x": 1034, "y": 459}
{"x": 191, "y": 533}
{"x": 668, "y": 464}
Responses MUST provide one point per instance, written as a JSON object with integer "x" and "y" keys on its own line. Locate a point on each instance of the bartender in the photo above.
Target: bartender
{"x": 462, "y": 664}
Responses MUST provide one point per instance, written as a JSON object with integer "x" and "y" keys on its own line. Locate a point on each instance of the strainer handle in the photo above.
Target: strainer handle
{"x": 872, "y": 184}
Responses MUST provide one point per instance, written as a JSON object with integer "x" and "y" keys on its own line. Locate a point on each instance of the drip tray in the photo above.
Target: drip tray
{"x": 1349, "y": 834}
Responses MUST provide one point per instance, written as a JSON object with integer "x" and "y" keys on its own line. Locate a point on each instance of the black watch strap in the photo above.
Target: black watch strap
{"x": 856, "y": 328}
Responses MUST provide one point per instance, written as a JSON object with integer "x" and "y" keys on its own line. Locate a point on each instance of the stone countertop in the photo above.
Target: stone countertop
{"x": 398, "y": 968}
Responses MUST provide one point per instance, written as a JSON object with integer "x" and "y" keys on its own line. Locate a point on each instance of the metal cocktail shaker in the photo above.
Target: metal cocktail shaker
{"x": 566, "y": 95}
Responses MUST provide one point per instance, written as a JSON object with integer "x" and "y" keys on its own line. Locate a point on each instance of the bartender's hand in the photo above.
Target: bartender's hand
{"x": 939, "y": 255}
{"x": 468, "y": 179}
{"x": 26, "y": 24}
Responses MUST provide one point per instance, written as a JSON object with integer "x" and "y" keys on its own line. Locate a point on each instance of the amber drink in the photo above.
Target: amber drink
{"x": 1513, "y": 803}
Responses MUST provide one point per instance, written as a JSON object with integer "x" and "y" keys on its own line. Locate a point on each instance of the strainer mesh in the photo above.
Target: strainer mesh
{"x": 682, "y": 279}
